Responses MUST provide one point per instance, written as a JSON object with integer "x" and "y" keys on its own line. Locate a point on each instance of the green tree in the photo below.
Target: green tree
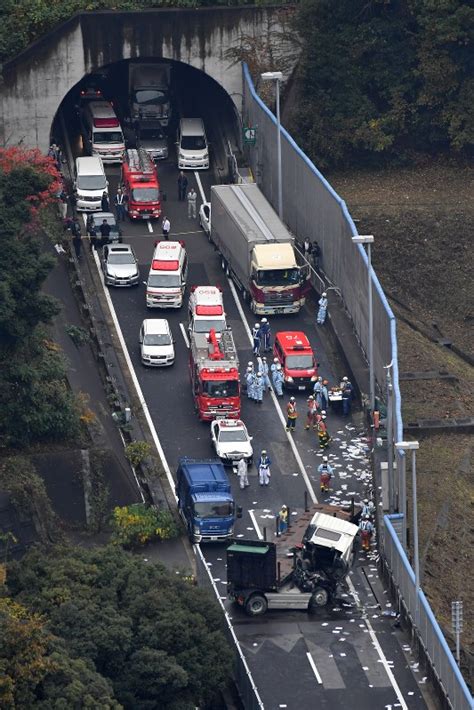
{"x": 156, "y": 638}
{"x": 36, "y": 670}
{"x": 355, "y": 81}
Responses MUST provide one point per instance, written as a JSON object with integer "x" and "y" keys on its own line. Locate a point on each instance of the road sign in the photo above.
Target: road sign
{"x": 250, "y": 135}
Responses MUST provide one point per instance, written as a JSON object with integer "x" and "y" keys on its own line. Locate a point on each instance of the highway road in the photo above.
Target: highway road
{"x": 347, "y": 657}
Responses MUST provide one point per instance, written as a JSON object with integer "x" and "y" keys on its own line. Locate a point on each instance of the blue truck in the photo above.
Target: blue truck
{"x": 205, "y": 500}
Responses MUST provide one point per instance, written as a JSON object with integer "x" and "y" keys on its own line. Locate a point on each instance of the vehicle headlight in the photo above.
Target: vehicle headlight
{"x": 181, "y": 156}
{"x": 231, "y": 530}
{"x": 288, "y": 378}
{"x": 196, "y": 530}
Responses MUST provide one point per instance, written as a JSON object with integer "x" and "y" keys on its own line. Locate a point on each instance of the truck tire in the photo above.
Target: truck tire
{"x": 320, "y": 597}
{"x": 256, "y": 605}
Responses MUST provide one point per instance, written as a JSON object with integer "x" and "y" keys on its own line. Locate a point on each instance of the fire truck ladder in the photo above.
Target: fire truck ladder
{"x": 140, "y": 162}
{"x": 227, "y": 345}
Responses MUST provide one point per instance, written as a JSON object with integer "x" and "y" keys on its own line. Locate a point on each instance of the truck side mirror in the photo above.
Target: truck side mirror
{"x": 239, "y": 511}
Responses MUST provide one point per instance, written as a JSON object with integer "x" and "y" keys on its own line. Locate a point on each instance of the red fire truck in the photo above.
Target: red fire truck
{"x": 140, "y": 185}
{"x": 214, "y": 370}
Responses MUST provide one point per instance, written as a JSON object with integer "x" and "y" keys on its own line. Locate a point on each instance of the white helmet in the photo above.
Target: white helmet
{"x": 249, "y": 369}
{"x": 324, "y": 294}
{"x": 264, "y": 451}
{"x": 278, "y": 366}
{"x": 275, "y": 359}
{"x": 292, "y": 399}
{"x": 264, "y": 320}
{"x": 345, "y": 379}
{"x": 257, "y": 325}
{"x": 323, "y": 413}
{"x": 250, "y": 363}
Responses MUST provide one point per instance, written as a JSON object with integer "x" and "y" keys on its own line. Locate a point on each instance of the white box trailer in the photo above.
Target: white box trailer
{"x": 257, "y": 249}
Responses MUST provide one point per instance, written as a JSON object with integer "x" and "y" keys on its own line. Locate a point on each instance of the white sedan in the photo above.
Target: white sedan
{"x": 205, "y": 218}
{"x": 231, "y": 440}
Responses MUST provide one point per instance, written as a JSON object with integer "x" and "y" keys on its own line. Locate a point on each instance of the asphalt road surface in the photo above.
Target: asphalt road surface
{"x": 337, "y": 657}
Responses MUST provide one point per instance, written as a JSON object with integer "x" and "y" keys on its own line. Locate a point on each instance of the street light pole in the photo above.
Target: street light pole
{"x": 277, "y": 76}
{"x": 414, "y": 446}
{"x": 369, "y": 240}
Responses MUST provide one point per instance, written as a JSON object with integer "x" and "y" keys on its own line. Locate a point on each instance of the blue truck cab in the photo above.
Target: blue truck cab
{"x": 205, "y": 500}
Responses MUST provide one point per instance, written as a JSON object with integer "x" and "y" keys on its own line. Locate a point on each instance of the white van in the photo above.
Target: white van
{"x": 167, "y": 278}
{"x": 101, "y": 131}
{"x": 90, "y": 184}
{"x": 193, "y": 150}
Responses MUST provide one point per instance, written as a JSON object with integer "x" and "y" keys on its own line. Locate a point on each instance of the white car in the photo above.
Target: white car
{"x": 156, "y": 343}
{"x": 120, "y": 265}
{"x": 205, "y": 217}
{"x": 231, "y": 440}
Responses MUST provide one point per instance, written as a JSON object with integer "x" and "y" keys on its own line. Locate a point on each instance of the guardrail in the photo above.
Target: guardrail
{"x": 429, "y": 633}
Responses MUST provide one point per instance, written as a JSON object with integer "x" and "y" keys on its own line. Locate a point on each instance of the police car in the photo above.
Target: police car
{"x": 231, "y": 440}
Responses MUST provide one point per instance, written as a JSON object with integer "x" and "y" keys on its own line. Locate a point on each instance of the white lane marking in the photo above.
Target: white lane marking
{"x": 150, "y": 226}
{"x": 275, "y": 400}
{"x": 183, "y": 234}
{"x": 378, "y": 648}
{"x": 185, "y": 336}
{"x": 313, "y": 666}
{"x": 134, "y": 377}
{"x": 255, "y": 524}
{"x": 199, "y": 183}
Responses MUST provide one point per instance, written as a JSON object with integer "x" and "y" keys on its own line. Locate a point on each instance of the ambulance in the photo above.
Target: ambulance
{"x": 167, "y": 277}
{"x": 101, "y": 131}
{"x": 206, "y": 310}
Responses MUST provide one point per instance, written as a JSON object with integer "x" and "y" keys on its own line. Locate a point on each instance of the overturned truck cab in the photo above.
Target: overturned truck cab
{"x": 292, "y": 574}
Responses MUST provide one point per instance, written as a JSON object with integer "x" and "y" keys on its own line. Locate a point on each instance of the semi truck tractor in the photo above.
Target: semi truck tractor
{"x": 149, "y": 92}
{"x": 257, "y": 250}
{"x": 293, "y": 572}
{"x": 205, "y": 500}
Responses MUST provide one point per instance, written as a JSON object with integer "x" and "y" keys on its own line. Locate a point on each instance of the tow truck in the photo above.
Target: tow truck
{"x": 214, "y": 371}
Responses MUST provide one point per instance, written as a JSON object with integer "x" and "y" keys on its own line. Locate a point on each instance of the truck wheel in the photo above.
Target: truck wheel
{"x": 256, "y": 605}
{"x": 320, "y": 597}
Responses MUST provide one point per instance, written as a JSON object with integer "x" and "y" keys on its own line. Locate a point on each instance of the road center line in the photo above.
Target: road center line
{"x": 185, "y": 336}
{"x": 134, "y": 377}
{"x": 255, "y": 524}
{"x": 199, "y": 183}
{"x": 275, "y": 400}
{"x": 313, "y": 666}
{"x": 150, "y": 226}
{"x": 378, "y": 647}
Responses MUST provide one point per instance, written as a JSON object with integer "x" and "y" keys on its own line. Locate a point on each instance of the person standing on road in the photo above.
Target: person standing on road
{"x": 291, "y": 414}
{"x": 317, "y": 391}
{"x": 256, "y": 339}
{"x": 324, "y": 395}
{"x": 273, "y": 366}
{"x": 265, "y": 334}
{"x": 192, "y": 199}
{"x": 323, "y": 435}
{"x": 77, "y": 243}
{"x": 323, "y": 309}
{"x": 250, "y": 380}
{"x": 165, "y": 227}
{"x": 104, "y": 203}
{"x": 283, "y": 519}
{"x": 347, "y": 391}
{"x": 316, "y": 254}
{"x": 368, "y": 508}
{"x": 182, "y": 186}
{"x": 312, "y": 406}
{"x": 366, "y": 530}
{"x": 266, "y": 378}
{"x": 63, "y": 204}
{"x": 277, "y": 379}
{"x": 242, "y": 473}
{"x": 104, "y": 232}
{"x": 325, "y": 474}
{"x": 258, "y": 388}
{"x": 120, "y": 205}
{"x": 264, "y": 469}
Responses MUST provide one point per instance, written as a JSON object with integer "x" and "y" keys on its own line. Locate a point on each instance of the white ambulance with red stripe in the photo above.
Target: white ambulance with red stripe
{"x": 206, "y": 310}
{"x": 167, "y": 277}
{"x": 101, "y": 131}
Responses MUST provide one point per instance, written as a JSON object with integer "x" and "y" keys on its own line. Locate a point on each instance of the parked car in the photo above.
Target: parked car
{"x": 120, "y": 265}
{"x": 205, "y": 217}
{"x": 156, "y": 342}
{"x": 231, "y": 440}
{"x": 115, "y": 231}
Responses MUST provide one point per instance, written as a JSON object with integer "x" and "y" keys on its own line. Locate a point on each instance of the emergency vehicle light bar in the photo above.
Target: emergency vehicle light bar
{"x": 209, "y": 310}
{"x": 111, "y": 122}
{"x": 159, "y": 265}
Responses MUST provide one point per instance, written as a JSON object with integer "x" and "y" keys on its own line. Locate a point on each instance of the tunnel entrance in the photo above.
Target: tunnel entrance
{"x": 191, "y": 94}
